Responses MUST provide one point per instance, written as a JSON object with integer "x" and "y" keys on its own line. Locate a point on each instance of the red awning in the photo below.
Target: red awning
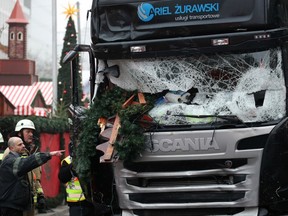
{"x": 23, "y": 110}
{"x": 19, "y": 95}
{"x": 23, "y": 96}
{"x": 46, "y": 89}
{"x": 40, "y": 111}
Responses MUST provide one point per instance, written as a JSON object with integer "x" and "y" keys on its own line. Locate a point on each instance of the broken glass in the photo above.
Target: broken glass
{"x": 247, "y": 85}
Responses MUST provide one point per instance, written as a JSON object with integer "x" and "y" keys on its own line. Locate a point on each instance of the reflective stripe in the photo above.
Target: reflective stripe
{"x": 67, "y": 159}
{"x": 73, "y": 188}
{"x": 38, "y": 158}
{"x": 15, "y": 166}
{"x": 75, "y": 198}
{"x": 40, "y": 190}
{"x": 1, "y": 156}
{"x": 74, "y": 191}
{"x": 34, "y": 176}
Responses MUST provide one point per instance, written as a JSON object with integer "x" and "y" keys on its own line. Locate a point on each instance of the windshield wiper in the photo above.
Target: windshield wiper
{"x": 230, "y": 118}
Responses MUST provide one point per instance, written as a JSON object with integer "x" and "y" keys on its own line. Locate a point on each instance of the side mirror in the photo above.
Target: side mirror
{"x": 69, "y": 56}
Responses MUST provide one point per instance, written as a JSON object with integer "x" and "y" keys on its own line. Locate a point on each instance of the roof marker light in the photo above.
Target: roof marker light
{"x": 262, "y": 36}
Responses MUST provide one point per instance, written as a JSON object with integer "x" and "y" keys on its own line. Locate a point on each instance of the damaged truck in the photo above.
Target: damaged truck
{"x": 208, "y": 80}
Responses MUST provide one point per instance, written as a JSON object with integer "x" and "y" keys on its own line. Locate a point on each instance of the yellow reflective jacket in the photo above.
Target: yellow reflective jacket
{"x": 73, "y": 187}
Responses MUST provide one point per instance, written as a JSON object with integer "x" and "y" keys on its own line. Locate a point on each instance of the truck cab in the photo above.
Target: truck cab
{"x": 219, "y": 141}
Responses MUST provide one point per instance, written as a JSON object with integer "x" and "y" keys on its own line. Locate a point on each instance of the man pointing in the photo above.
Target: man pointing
{"x": 15, "y": 190}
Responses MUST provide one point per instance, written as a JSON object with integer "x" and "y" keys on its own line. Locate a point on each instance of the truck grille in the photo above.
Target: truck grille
{"x": 186, "y": 181}
{"x": 186, "y": 197}
{"x": 196, "y": 182}
{"x": 171, "y": 166}
{"x": 188, "y": 212}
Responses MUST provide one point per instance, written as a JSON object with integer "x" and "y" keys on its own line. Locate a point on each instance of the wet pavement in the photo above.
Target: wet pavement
{"x": 62, "y": 210}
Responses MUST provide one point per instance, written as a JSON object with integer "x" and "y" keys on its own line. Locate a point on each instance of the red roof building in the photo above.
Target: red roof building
{"x": 17, "y": 70}
{"x": 6, "y": 107}
{"x": 20, "y": 91}
{"x": 17, "y": 15}
{"x": 27, "y": 100}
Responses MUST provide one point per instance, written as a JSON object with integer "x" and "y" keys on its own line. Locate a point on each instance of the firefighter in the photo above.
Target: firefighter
{"x": 25, "y": 129}
{"x": 78, "y": 205}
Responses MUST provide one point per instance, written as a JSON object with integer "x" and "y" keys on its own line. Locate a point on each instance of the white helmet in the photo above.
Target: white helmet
{"x": 24, "y": 124}
{"x": 1, "y": 138}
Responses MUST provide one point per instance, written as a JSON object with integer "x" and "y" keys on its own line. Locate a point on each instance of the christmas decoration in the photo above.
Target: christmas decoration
{"x": 70, "y": 11}
{"x": 105, "y": 106}
{"x": 64, "y": 77}
{"x": 131, "y": 141}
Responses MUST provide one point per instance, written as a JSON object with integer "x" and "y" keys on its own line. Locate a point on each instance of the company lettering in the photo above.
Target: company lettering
{"x": 197, "y": 8}
{"x": 197, "y": 144}
{"x": 146, "y": 11}
{"x": 161, "y": 11}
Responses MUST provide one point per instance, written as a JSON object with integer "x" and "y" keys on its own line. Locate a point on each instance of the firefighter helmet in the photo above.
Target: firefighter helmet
{"x": 24, "y": 124}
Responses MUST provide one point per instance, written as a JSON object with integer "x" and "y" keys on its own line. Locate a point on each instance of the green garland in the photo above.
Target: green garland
{"x": 43, "y": 125}
{"x": 131, "y": 134}
{"x": 88, "y": 137}
{"x": 132, "y": 139}
{"x": 131, "y": 142}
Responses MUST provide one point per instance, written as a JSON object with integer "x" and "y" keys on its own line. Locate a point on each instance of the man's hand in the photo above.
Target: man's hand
{"x": 57, "y": 153}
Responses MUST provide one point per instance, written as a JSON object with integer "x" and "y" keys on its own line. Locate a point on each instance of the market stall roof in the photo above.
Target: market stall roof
{"x": 30, "y": 100}
{"x": 46, "y": 89}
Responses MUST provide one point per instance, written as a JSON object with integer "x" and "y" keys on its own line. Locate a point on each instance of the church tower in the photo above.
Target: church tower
{"x": 17, "y": 69}
{"x": 17, "y": 44}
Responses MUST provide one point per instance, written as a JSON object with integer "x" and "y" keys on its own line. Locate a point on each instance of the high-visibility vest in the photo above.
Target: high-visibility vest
{"x": 73, "y": 187}
{"x": 34, "y": 180}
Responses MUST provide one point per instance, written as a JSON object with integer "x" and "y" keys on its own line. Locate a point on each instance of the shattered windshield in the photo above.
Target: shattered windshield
{"x": 248, "y": 85}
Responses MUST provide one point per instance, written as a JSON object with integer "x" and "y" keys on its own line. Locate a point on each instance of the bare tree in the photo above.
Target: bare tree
{"x": 43, "y": 66}
{"x": 2, "y": 29}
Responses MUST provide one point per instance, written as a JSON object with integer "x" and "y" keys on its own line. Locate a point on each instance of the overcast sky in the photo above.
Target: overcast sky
{"x": 85, "y": 5}
{"x": 40, "y": 28}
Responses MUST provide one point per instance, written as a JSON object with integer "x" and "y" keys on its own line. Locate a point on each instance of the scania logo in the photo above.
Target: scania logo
{"x": 186, "y": 144}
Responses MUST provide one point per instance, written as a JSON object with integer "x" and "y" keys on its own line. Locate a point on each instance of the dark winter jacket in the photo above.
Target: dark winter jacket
{"x": 15, "y": 190}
